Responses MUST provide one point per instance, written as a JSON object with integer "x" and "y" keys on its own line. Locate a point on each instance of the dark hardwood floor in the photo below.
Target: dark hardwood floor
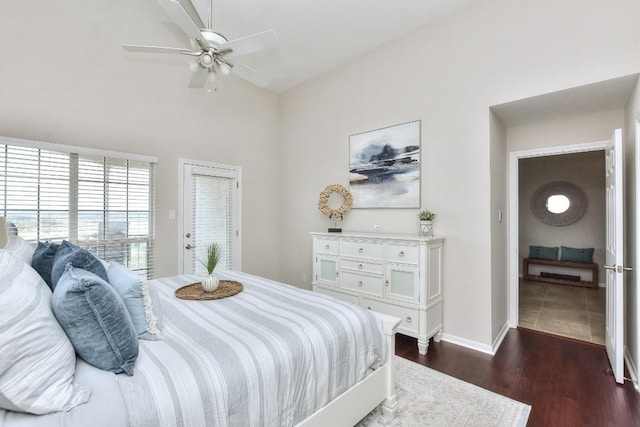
{"x": 565, "y": 381}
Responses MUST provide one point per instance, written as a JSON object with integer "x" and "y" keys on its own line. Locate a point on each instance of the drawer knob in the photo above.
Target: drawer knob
{"x": 360, "y": 283}
{"x": 386, "y": 283}
{"x": 326, "y": 247}
{"x": 360, "y": 250}
{"x": 409, "y": 320}
{"x": 401, "y": 253}
{"x": 368, "y": 308}
{"x": 360, "y": 266}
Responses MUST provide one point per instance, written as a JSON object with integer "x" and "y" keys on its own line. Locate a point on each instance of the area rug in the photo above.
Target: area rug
{"x": 430, "y": 398}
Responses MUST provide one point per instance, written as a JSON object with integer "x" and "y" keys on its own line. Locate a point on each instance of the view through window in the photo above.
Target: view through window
{"x": 104, "y": 204}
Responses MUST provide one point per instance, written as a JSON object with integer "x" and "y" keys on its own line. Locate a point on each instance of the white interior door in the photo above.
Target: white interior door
{"x": 614, "y": 268}
{"x": 210, "y": 214}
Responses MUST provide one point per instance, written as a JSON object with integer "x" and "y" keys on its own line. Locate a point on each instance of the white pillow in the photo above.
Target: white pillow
{"x": 37, "y": 360}
{"x": 20, "y": 249}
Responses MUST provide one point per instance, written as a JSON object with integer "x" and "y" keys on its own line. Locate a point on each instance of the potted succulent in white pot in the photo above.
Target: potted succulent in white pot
{"x": 210, "y": 283}
{"x": 426, "y": 222}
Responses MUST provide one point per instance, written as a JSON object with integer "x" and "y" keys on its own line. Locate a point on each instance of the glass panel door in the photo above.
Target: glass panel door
{"x": 210, "y": 215}
{"x": 328, "y": 271}
{"x": 403, "y": 282}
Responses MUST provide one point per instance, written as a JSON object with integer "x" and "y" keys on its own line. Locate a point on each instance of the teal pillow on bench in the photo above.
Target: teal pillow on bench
{"x": 543, "y": 252}
{"x": 584, "y": 255}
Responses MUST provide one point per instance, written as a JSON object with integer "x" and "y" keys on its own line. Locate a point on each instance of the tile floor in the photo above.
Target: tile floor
{"x": 569, "y": 311}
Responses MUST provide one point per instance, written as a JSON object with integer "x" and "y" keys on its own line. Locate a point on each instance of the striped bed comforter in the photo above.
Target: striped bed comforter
{"x": 269, "y": 356}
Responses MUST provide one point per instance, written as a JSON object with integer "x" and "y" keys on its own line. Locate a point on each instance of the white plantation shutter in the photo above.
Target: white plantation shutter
{"x": 212, "y": 218}
{"x": 103, "y": 203}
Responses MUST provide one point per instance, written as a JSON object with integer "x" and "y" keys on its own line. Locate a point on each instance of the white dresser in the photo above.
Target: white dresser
{"x": 400, "y": 275}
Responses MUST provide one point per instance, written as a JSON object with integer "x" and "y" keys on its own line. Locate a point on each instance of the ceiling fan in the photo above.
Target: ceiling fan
{"x": 212, "y": 53}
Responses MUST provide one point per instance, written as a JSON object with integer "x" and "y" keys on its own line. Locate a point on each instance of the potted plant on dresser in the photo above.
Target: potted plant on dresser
{"x": 212, "y": 255}
{"x": 426, "y": 222}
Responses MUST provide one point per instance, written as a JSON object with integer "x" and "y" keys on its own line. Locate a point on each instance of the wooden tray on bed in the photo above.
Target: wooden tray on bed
{"x": 194, "y": 291}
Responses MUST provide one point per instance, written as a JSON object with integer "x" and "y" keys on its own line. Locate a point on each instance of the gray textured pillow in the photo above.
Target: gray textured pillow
{"x": 79, "y": 258}
{"x": 42, "y": 260}
{"x": 37, "y": 361}
{"x": 96, "y": 321}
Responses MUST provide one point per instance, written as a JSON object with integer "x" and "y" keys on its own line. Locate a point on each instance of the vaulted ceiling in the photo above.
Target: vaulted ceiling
{"x": 317, "y": 36}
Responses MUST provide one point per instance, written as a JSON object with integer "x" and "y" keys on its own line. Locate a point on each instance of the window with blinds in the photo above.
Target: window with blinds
{"x": 212, "y": 217}
{"x": 104, "y": 204}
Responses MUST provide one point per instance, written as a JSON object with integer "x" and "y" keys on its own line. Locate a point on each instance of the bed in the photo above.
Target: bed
{"x": 273, "y": 355}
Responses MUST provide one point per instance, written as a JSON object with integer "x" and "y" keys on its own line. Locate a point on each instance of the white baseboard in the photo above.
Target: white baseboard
{"x": 500, "y": 337}
{"x": 631, "y": 367}
{"x": 473, "y": 345}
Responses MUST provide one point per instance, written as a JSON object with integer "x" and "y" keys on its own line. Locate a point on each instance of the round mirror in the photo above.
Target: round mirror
{"x": 558, "y": 203}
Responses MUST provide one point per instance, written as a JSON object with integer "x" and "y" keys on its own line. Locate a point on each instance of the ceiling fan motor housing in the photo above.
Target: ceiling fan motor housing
{"x": 207, "y": 58}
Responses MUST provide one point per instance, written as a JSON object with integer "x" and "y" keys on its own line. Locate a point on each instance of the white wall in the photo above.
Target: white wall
{"x": 586, "y": 171}
{"x": 65, "y": 79}
{"x": 448, "y": 76}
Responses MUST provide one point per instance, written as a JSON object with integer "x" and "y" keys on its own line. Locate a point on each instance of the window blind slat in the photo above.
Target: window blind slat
{"x": 103, "y": 204}
{"x": 212, "y": 217}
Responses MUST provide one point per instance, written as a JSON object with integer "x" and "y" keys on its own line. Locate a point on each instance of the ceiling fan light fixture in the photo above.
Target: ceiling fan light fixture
{"x": 193, "y": 66}
{"x": 206, "y": 59}
{"x": 225, "y": 70}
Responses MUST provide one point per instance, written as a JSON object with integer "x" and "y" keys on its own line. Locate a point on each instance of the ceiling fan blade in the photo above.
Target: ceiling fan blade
{"x": 249, "y": 74}
{"x": 253, "y": 43}
{"x": 199, "y": 78}
{"x": 180, "y": 16}
{"x": 152, "y": 49}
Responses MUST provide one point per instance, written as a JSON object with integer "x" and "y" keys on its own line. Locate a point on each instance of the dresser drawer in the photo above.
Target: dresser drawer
{"x": 328, "y": 246}
{"x": 369, "y": 267}
{"x": 362, "y": 283}
{"x": 339, "y": 295}
{"x": 410, "y": 317}
{"x": 402, "y": 253}
{"x": 362, "y": 249}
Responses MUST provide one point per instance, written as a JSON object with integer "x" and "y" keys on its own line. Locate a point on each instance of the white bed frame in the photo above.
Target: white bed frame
{"x": 377, "y": 388}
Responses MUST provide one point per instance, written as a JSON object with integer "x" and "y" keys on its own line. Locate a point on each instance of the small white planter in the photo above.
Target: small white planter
{"x": 426, "y": 229}
{"x": 210, "y": 283}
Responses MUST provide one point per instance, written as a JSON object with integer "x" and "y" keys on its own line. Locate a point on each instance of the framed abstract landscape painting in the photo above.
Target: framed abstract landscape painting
{"x": 384, "y": 167}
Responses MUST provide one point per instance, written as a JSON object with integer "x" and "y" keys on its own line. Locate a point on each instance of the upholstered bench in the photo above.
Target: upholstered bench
{"x": 593, "y": 267}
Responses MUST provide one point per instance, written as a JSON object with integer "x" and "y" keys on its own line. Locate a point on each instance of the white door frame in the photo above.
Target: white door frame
{"x": 514, "y": 231}
{"x": 238, "y": 204}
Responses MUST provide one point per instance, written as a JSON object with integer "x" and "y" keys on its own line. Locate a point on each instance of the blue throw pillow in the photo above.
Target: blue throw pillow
{"x": 584, "y": 255}
{"x": 42, "y": 260}
{"x": 96, "y": 321}
{"x": 79, "y": 258}
{"x": 136, "y": 295}
{"x": 543, "y": 252}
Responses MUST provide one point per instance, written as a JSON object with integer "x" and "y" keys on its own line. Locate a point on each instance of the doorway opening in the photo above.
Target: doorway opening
{"x": 562, "y": 218}
{"x": 534, "y": 303}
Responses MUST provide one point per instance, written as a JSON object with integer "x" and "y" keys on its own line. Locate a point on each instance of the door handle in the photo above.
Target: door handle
{"x": 189, "y": 246}
{"x": 617, "y": 268}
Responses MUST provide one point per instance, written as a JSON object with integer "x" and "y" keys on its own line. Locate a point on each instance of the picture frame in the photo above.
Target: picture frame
{"x": 384, "y": 167}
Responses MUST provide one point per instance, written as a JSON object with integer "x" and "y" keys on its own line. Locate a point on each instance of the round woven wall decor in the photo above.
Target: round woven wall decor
{"x": 575, "y": 195}
{"x": 323, "y": 201}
